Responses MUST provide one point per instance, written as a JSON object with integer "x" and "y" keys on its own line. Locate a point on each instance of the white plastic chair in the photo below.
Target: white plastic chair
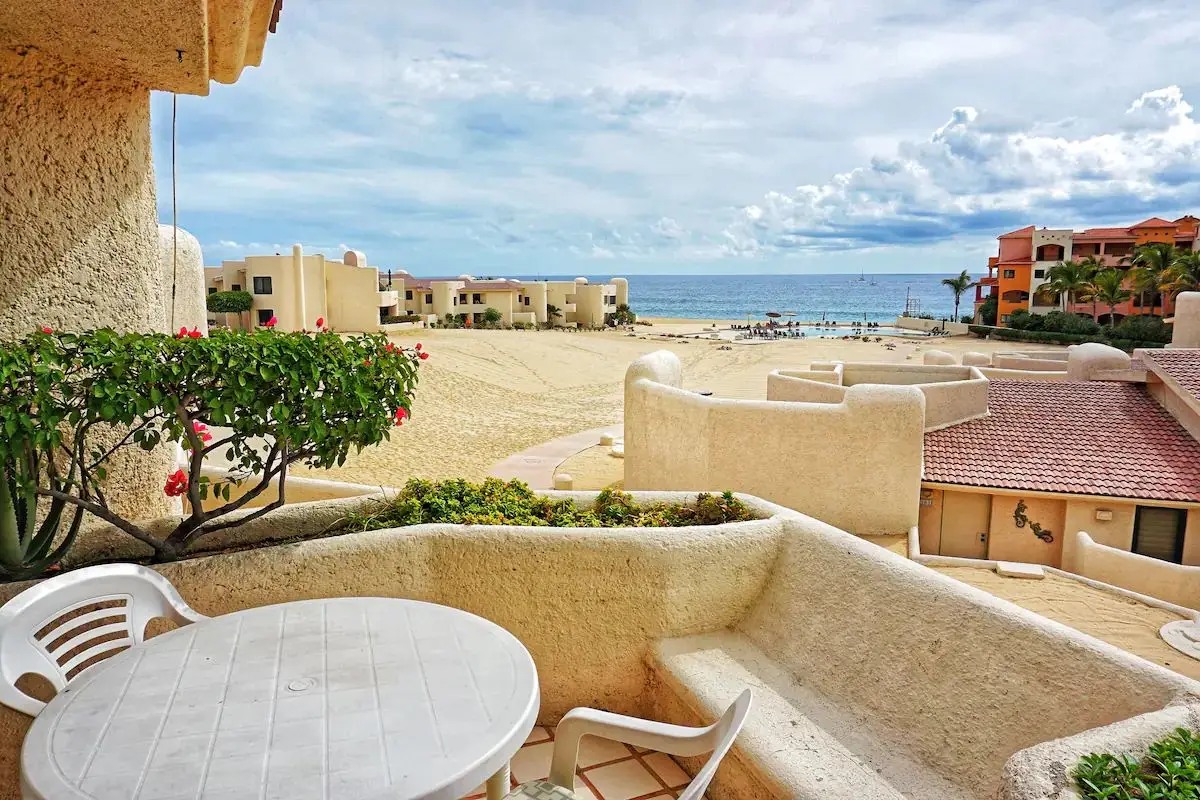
{"x": 674, "y": 740}
{"x": 67, "y": 624}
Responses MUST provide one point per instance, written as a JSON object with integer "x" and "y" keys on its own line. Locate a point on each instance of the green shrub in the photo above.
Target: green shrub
{"x": 1170, "y": 771}
{"x": 495, "y": 502}
{"x": 519, "y": 326}
{"x": 492, "y": 316}
{"x": 313, "y": 399}
{"x": 229, "y": 302}
{"x": 988, "y": 309}
{"x": 1055, "y": 337}
{"x": 392, "y": 319}
{"x": 1142, "y": 327}
{"x": 966, "y": 319}
{"x": 1022, "y": 320}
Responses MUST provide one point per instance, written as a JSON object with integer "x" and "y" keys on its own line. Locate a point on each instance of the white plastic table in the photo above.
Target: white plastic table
{"x": 345, "y": 699}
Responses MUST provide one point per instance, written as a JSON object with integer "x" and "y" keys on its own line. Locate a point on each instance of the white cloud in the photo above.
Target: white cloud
{"x": 967, "y": 178}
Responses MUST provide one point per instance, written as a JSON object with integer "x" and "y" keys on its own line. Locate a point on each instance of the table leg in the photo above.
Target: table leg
{"x": 499, "y": 785}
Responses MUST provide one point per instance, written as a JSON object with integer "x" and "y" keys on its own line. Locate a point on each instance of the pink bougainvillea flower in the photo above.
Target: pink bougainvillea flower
{"x": 418, "y": 347}
{"x": 401, "y": 415}
{"x": 202, "y": 431}
{"x": 47, "y": 329}
{"x": 272, "y": 322}
{"x": 391, "y": 348}
{"x": 320, "y": 322}
{"x": 423, "y": 355}
{"x": 177, "y": 484}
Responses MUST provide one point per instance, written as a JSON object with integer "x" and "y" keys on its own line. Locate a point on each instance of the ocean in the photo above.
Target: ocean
{"x": 840, "y": 298}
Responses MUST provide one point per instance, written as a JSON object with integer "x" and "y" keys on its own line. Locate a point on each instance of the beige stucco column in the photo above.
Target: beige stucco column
{"x": 78, "y": 229}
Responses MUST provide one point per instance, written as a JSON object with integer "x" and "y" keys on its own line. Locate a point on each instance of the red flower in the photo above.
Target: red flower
{"x": 202, "y": 431}
{"x": 272, "y": 322}
{"x": 196, "y": 334}
{"x": 324, "y": 330}
{"x": 320, "y": 322}
{"x": 401, "y": 415}
{"x": 391, "y": 348}
{"x": 418, "y": 347}
{"x": 183, "y": 333}
{"x": 47, "y": 330}
{"x": 366, "y": 362}
{"x": 423, "y": 356}
{"x": 177, "y": 484}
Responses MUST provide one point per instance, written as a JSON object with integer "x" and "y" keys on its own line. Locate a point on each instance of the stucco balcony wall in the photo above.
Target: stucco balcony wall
{"x": 791, "y": 453}
{"x": 941, "y": 676}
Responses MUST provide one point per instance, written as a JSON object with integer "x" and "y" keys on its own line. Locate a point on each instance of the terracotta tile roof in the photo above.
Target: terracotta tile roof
{"x": 1104, "y": 233}
{"x": 1018, "y": 234}
{"x": 1182, "y": 365}
{"x": 1153, "y": 222}
{"x": 1078, "y": 437}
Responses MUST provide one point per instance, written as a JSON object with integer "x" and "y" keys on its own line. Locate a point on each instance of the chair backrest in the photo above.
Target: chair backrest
{"x": 725, "y": 730}
{"x": 69, "y": 623}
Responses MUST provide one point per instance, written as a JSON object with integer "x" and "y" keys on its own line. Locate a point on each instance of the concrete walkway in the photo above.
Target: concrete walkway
{"x": 536, "y": 466}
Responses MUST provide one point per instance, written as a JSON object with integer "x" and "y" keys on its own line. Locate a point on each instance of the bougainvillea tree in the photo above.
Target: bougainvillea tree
{"x": 263, "y": 400}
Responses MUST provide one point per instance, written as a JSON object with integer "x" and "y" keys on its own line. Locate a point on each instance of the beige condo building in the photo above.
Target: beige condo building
{"x": 349, "y": 295}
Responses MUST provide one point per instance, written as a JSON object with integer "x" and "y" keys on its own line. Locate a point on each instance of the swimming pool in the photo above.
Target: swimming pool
{"x": 811, "y": 332}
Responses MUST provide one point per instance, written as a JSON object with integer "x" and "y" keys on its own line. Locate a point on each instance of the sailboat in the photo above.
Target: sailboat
{"x": 862, "y": 279}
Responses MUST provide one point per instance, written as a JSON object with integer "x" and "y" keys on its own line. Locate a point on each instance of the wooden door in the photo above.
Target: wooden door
{"x": 966, "y": 518}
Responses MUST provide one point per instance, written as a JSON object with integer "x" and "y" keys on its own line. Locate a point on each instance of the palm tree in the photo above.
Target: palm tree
{"x": 1108, "y": 287}
{"x": 1184, "y": 275}
{"x": 958, "y": 286}
{"x": 1094, "y": 266}
{"x": 1067, "y": 279}
{"x": 1152, "y": 265}
{"x": 552, "y": 311}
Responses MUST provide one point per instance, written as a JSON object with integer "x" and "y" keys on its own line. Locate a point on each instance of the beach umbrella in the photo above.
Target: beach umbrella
{"x": 774, "y": 314}
{"x": 789, "y": 313}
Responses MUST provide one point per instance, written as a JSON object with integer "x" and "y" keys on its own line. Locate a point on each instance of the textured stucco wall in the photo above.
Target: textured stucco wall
{"x": 961, "y": 679}
{"x": 1081, "y": 516}
{"x": 352, "y": 298}
{"x": 795, "y": 386}
{"x": 1002, "y": 361}
{"x": 182, "y": 262}
{"x": 1007, "y": 542}
{"x": 917, "y": 324}
{"x": 1186, "y": 331}
{"x": 1042, "y": 772}
{"x": 994, "y": 374}
{"x": 1085, "y": 360}
{"x": 1174, "y": 583}
{"x": 806, "y": 456}
{"x": 78, "y": 237}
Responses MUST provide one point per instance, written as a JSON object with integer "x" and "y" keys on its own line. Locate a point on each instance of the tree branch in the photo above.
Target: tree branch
{"x": 103, "y": 513}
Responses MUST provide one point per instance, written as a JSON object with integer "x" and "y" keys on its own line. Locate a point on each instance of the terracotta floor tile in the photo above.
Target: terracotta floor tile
{"x": 624, "y": 780}
{"x": 538, "y": 734}
{"x": 532, "y": 762}
{"x": 666, "y": 768}
{"x": 594, "y": 750}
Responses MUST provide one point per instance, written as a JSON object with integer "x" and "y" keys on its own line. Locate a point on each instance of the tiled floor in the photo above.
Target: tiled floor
{"x": 607, "y": 770}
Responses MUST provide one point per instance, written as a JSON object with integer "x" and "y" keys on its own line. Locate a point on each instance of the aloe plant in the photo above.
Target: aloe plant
{"x": 28, "y": 547}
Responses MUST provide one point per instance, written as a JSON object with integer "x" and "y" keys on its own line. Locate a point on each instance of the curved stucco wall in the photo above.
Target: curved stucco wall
{"x": 806, "y": 456}
{"x": 182, "y": 263}
{"x": 797, "y": 386}
{"x": 961, "y": 679}
{"x": 1027, "y": 364}
{"x": 78, "y": 244}
{"x": 1186, "y": 330}
{"x": 1085, "y": 360}
{"x": 1165, "y": 580}
{"x": 992, "y": 373}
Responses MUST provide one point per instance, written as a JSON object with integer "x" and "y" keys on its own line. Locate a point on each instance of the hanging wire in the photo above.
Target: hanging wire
{"x": 174, "y": 213}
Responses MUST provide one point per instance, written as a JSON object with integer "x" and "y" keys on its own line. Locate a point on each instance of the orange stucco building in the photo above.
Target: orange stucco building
{"x": 1025, "y": 256}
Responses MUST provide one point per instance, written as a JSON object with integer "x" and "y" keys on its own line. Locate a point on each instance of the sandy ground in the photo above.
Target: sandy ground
{"x": 1128, "y": 624}
{"x": 485, "y": 395}
{"x": 594, "y": 469}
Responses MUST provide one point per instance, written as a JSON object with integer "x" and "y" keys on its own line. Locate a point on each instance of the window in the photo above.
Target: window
{"x": 1006, "y": 318}
{"x": 526, "y": 298}
{"x": 429, "y": 298}
{"x": 408, "y": 294}
{"x": 1039, "y": 273}
{"x": 462, "y": 297}
{"x": 262, "y": 285}
{"x": 237, "y": 287}
{"x": 1158, "y": 532}
{"x": 264, "y": 315}
{"x": 1010, "y": 273}
{"x": 212, "y": 290}
{"x": 476, "y": 297}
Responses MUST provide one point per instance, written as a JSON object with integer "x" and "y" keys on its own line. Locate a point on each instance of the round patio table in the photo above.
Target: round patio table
{"x": 342, "y": 699}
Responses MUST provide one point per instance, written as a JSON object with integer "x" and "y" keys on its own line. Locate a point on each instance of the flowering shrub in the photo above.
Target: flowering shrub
{"x": 281, "y": 398}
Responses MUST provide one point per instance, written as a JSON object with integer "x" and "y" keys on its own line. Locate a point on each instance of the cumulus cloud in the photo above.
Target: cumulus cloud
{"x": 970, "y": 178}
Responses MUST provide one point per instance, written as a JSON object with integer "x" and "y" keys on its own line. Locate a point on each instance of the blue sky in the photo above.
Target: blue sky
{"x": 679, "y": 137}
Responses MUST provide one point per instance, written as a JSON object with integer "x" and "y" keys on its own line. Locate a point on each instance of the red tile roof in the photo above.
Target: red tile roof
{"x": 1153, "y": 222}
{"x": 1104, "y": 233}
{"x": 1078, "y": 437}
{"x": 1018, "y": 234}
{"x": 1182, "y": 365}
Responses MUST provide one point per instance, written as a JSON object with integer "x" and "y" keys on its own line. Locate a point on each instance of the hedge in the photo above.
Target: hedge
{"x": 229, "y": 302}
{"x": 1052, "y": 337}
{"x": 392, "y": 319}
